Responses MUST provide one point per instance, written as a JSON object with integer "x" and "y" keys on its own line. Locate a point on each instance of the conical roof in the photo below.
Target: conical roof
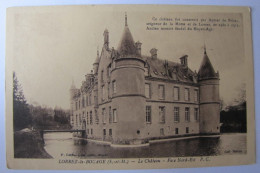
{"x": 126, "y": 46}
{"x": 206, "y": 70}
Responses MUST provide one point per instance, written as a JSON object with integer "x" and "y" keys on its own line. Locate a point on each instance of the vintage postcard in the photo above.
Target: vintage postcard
{"x": 129, "y": 87}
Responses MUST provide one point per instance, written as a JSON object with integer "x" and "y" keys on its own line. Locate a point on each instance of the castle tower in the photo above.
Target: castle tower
{"x": 209, "y": 97}
{"x": 128, "y": 99}
{"x": 72, "y": 107}
{"x": 96, "y": 63}
{"x": 106, "y": 39}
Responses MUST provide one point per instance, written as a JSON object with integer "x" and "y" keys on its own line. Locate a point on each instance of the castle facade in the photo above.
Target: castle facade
{"x": 132, "y": 99}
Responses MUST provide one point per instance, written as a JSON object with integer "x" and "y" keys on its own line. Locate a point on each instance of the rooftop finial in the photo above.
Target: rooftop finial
{"x": 125, "y": 19}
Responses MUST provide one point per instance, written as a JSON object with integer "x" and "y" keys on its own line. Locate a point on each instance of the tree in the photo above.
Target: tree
{"x": 21, "y": 114}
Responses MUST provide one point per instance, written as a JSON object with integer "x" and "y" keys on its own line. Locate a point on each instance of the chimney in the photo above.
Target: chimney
{"x": 138, "y": 47}
{"x": 153, "y": 52}
{"x": 106, "y": 39}
{"x": 184, "y": 60}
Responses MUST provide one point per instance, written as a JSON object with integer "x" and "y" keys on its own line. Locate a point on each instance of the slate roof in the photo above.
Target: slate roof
{"x": 126, "y": 47}
{"x": 206, "y": 70}
{"x": 164, "y": 69}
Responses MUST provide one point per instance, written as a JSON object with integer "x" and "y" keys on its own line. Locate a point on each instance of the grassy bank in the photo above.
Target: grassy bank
{"x": 29, "y": 144}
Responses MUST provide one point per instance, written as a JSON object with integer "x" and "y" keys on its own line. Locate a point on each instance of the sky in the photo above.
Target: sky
{"x": 51, "y": 46}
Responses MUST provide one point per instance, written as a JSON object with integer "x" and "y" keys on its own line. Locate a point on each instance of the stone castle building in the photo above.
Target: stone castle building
{"x": 130, "y": 98}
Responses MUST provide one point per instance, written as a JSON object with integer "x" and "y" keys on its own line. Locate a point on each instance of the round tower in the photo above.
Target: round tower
{"x": 209, "y": 98}
{"x": 72, "y": 107}
{"x": 128, "y": 97}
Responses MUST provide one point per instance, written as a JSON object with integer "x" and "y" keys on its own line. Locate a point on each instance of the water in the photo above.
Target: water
{"x": 62, "y": 144}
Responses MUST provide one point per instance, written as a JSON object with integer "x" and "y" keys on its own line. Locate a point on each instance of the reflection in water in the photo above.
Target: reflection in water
{"x": 57, "y": 144}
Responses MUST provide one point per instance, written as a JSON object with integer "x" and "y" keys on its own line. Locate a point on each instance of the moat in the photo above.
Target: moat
{"x": 63, "y": 144}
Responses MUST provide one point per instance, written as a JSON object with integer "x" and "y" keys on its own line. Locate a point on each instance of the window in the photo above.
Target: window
{"x": 162, "y": 114}
{"x": 89, "y": 99}
{"x": 76, "y": 105}
{"x": 176, "y": 114}
{"x": 196, "y": 114}
{"x": 108, "y": 90}
{"x": 110, "y": 132}
{"x": 83, "y": 115}
{"x": 110, "y": 115}
{"x": 161, "y": 131}
{"x": 104, "y": 132}
{"x": 79, "y": 119}
{"x": 102, "y": 76}
{"x": 114, "y": 115}
{"x": 83, "y": 102}
{"x": 104, "y": 115}
{"x": 161, "y": 92}
{"x": 87, "y": 119}
{"x": 187, "y": 114}
{"x": 108, "y": 70}
{"x": 176, "y": 131}
{"x": 76, "y": 120}
{"x": 196, "y": 93}
{"x": 79, "y": 104}
{"x": 187, "y": 94}
{"x": 91, "y": 131}
{"x": 147, "y": 90}
{"x": 148, "y": 114}
{"x": 87, "y": 131}
{"x": 90, "y": 117}
{"x": 187, "y": 129}
{"x": 114, "y": 87}
{"x": 103, "y": 92}
{"x": 176, "y": 93}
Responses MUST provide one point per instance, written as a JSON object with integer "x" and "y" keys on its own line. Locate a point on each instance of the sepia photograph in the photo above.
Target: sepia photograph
{"x": 129, "y": 86}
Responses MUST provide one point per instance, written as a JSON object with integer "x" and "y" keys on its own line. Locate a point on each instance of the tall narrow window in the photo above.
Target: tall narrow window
{"x": 103, "y": 92}
{"x": 76, "y": 105}
{"x": 196, "y": 114}
{"x": 108, "y": 90}
{"x": 186, "y": 94}
{"x": 176, "y": 93}
{"x": 148, "y": 114}
{"x": 89, "y": 99}
{"x": 91, "y": 131}
{"x": 104, "y": 132}
{"x": 110, "y": 114}
{"x": 176, "y": 131}
{"x": 187, "y": 130}
{"x": 187, "y": 114}
{"x": 114, "y": 115}
{"x": 79, "y": 104}
{"x": 114, "y": 86}
{"x": 76, "y": 120}
{"x": 83, "y": 101}
{"x": 176, "y": 114}
{"x": 196, "y": 94}
{"x": 80, "y": 119}
{"x": 161, "y": 131}
{"x": 102, "y": 76}
{"x": 90, "y": 117}
{"x": 161, "y": 92}
{"x": 87, "y": 118}
{"x": 104, "y": 115}
{"x": 162, "y": 114}
{"x": 148, "y": 90}
{"x": 110, "y": 132}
